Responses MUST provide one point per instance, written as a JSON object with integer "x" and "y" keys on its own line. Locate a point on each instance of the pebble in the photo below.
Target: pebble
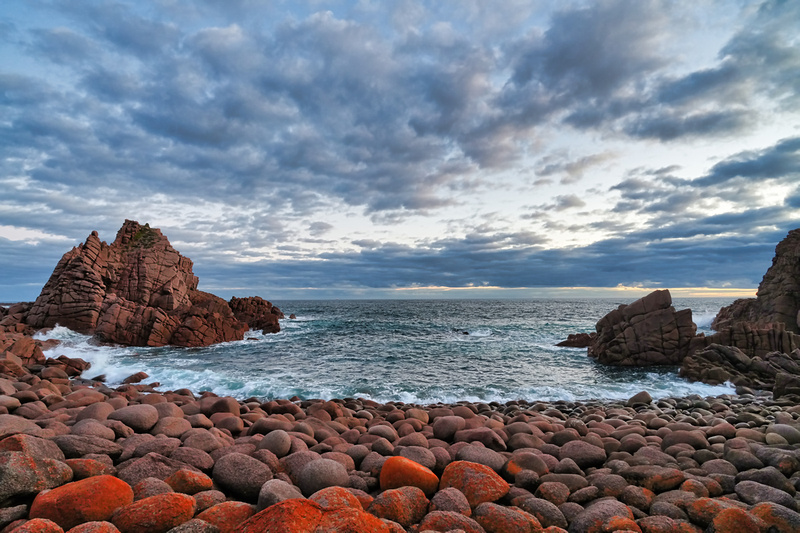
{"x": 174, "y": 461}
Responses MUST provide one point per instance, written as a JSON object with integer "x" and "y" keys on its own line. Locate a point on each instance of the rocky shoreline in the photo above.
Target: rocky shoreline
{"x": 78, "y": 456}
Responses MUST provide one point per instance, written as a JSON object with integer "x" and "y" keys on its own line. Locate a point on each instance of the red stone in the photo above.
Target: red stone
{"x": 189, "y": 482}
{"x": 405, "y": 505}
{"x": 735, "y": 520}
{"x": 136, "y": 291}
{"x": 38, "y": 525}
{"x": 156, "y": 514}
{"x": 227, "y": 516}
{"x": 449, "y": 520}
{"x": 499, "y": 519}
{"x": 335, "y": 497}
{"x": 92, "y": 499}
{"x": 288, "y": 516}
{"x": 398, "y": 472}
{"x": 478, "y": 482}
{"x": 95, "y": 527}
{"x": 85, "y": 468}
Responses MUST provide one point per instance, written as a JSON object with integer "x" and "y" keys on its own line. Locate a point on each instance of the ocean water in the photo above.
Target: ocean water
{"x": 412, "y": 351}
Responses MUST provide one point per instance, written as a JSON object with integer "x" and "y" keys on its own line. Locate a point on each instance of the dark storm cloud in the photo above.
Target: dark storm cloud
{"x": 318, "y": 102}
{"x": 781, "y": 161}
{"x": 668, "y": 127}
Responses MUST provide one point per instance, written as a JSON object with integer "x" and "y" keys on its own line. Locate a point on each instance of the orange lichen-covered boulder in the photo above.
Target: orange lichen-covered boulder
{"x": 398, "y": 472}
{"x": 306, "y": 516}
{"x": 38, "y": 525}
{"x": 83, "y": 468}
{"x": 189, "y": 481}
{"x": 156, "y": 514}
{"x": 335, "y": 497}
{"x": 92, "y": 499}
{"x": 777, "y": 516}
{"x": 478, "y": 482}
{"x": 449, "y": 520}
{"x": 95, "y": 527}
{"x": 227, "y": 516}
{"x": 703, "y": 510}
{"x": 735, "y": 520}
{"x": 288, "y": 516}
{"x": 499, "y": 519}
{"x": 350, "y": 520}
{"x": 406, "y": 505}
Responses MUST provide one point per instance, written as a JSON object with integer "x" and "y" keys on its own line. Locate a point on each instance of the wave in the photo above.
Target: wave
{"x": 370, "y": 350}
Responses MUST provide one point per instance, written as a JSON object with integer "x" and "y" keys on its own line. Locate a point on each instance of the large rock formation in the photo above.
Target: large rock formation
{"x": 778, "y": 297}
{"x": 136, "y": 291}
{"x": 717, "y": 364}
{"x": 755, "y": 339}
{"x": 647, "y": 332}
{"x": 257, "y": 313}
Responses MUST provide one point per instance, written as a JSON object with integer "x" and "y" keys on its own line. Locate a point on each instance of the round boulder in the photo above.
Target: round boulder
{"x": 320, "y": 474}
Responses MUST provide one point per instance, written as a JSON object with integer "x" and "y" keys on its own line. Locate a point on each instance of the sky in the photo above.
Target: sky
{"x": 403, "y": 149}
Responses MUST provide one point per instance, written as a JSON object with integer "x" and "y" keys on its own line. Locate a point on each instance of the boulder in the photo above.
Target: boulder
{"x": 646, "y": 332}
{"x": 257, "y": 313}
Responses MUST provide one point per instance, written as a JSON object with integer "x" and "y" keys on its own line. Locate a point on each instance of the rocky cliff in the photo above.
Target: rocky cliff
{"x": 137, "y": 291}
{"x": 778, "y": 297}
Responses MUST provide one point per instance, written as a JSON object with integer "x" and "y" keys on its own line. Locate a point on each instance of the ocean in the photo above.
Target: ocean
{"x": 413, "y": 351}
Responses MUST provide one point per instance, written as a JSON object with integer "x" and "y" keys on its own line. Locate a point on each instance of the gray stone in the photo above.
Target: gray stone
{"x": 241, "y": 475}
{"x": 320, "y": 474}
{"x": 276, "y": 490}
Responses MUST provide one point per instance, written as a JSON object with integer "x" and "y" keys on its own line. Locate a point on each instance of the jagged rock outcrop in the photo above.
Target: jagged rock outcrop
{"x": 778, "y": 297}
{"x": 136, "y": 291}
{"x": 717, "y": 363}
{"x": 646, "y": 332}
{"x": 257, "y": 313}
{"x": 578, "y": 340}
{"x": 754, "y": 339}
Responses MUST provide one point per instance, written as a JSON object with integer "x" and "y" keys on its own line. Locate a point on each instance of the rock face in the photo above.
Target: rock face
{"x": 136, "y": 291}
{"x": 646, "y": 332}
{"x": 754, "y": 339}
{"x": 717, "y": 364}
{"x": 257, "y": 313}
{"x": 778, "y": 297}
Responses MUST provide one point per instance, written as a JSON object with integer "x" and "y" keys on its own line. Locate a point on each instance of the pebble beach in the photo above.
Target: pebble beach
{"x": 78, "y": 456}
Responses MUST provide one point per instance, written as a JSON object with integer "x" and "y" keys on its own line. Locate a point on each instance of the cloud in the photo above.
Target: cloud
{"x": 779, "y": 161}
{"x": 249, "y": 131}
